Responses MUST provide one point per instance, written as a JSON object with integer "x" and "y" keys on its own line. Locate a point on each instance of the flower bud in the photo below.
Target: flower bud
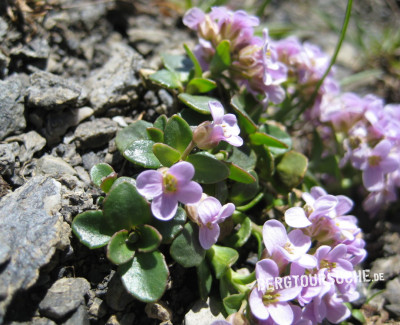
{"x": 203, "y": 136}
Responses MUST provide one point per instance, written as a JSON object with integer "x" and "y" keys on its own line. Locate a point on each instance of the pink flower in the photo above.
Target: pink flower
{"x": 168, "y": 186}
{"x": 210, "y": 213}
{"x": 223, "y": 128}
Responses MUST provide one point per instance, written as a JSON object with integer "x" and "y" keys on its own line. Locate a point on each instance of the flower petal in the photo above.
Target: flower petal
{"x": 208, "y": 210}
{"x": 296, "y": 218}
{"x": 337, "y": 252}
{"x": 149, "y": 183}
{"x": 234, "y": 140}
{"x": 258, "y": 309}
{"x": 373, "y": 179}
{"x": 281, "y": 313}
{"x": 164, "y": 207}
{"x": 208, "y": 236}
{"x": 300, "y": 241}
{"x": 183, "y": 171}
{"x": 189, "y": 193}
{"x": 266, "y": 269}
{"x": 217, "y": 111}
{"x": 274, "y": 234}
{"x": 307, "y": 261}
{"x": 193, "y": 18}
{"x": 289, "y": 293}
{"x": 226, "y": 211}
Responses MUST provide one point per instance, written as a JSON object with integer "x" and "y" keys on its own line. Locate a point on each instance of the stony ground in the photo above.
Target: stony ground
{"x": 71, "y": 76}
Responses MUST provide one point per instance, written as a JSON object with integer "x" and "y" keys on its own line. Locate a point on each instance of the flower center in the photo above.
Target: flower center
{"x": 324, "y": 264}
{"x": 225, "y": 128}
{"x": 288, "y": 247}
{"x": 169, "y": 183}
{"x": 374, "y": 161}
{"x": 270, "y": 297}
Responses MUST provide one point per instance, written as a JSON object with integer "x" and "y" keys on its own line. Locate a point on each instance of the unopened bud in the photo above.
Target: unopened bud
{"x": 203, "y": 136}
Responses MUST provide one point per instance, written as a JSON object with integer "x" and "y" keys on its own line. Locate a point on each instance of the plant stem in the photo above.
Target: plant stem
{"x": 251, "y": 204}
{"x": 188, "y": 149}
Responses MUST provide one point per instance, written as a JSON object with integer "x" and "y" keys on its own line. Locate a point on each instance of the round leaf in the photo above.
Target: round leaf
{"x": 145, "y": 277}
{"x": 180, "y": 64}
{"x": 161, "y": 122}
{"x": 166, "y": 154}
{"x": 167, "y": 79}
{"x": 155, "y": 134}
{"x": 221, "y": 258}
{"x": 238, "y": 104}
{"x": 239, "y": 174}
{"x": 99, "y": 171}
{"x": 200, "y": 85}
{"x": 239, "y": 238}
{"x": 141, "y": 153}
{"x": 107, "y": 182}
{"x": 118, "y": 251}
{"x": 259, "y": 138}
{"x": 222, "y": 57}
{"x": 149, "y": 239}
{"x": 178, "y": 133}
{"x": 292, "y": 168}
{"x": 122, "y": 179}
{"x": 243, "y": 157}
{"x": 186, "y": 249}
{"x": 171, "y": 228}
{"x": 124, "y": 207}
{"x": 208, "y": 170}
{"x": 91, "y": 229}
{"x": 197, "y": 103}
{"x": 241, "y": 193}
{"x": 277, "y": 133}
{"x": 133, "y": 132}
{"x": 204, "y": 279}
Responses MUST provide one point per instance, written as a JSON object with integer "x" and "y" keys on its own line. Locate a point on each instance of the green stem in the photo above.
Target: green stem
{"x": 251, "y": 204}
{"x": 188, "y": 149}
{"x": 346, "y": 20}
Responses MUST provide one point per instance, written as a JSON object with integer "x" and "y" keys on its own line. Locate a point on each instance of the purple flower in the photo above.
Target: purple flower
{"x": 210, "y": 213}
{"x": 268, "y": 302}
{"x": 168, "y": 186}
{"x": 223, "y": 128}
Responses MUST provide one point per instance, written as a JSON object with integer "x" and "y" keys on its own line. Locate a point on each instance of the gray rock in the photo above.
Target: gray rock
{"x": 36, "y": 321}
{"x": 64, "y": 297}
{"x": 79, "y": 317}
{"x": 394, "y": 309}
{"x": 57, "y": 123}
{"x": 392, "y": 292}
{"x": 97, "y": 309}
{"x": 53, "y": 166}
{"x": 94, "y": 134}
{"x": 32, "y": 143}
{"x": 4, "y": 61}
{"x": 12, "y": 118}
{"x": 115, "y": 84}
{"x": 204, "y": 313}
{"x": 3, "y": 29}
{"x": 390, "y": 266}
{"x": 8, "y": 151}
{"x": 5, "y": 253}
{"x": 117, "y": 297}
{"x": 158, "y": 310}
{"x": 37, "y": 49}
{"x": 32, "y": 228}
{"x": 49, "y": 91}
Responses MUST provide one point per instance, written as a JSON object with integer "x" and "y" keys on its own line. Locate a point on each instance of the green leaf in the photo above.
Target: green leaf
{"x": 145, "y": 277}
{"x": 239, "y": 238}
{"x": 238, "y": 104}
{"x": 196, "y": 102}
{"x": 204, "y": 279}
{"x": 180, "y": 64}
{"x": 357, "y": 314}
{"x": 244, "y": 157}
{"x": 161, "y": 122}
{"x": 178, "y": 133}
{"x": 118, "y": 251}
{"x": 222, "y": 58}
{"x": 277, "y": 133}
{"x": 133, "y": 132}
{"x": 239, "y": 174}
{"x": 166, "y": 79}
{"x": 155, "y": 134}
{"x": 186, "y": 249}
{"x": 259, "y": 138}
{"x": 171, "y": 228}
{"x": 91, "y": 229}
{"x": 265, "y": 162}
{"x": 107, "y": 182}
{"x": 141, "y": 153}
{"x": 192, "y": 117}
{"x": 221, "y": 258}
{"x": 166, "y": 154}
{"x": 208, "y": 169}
{"x": 124, "y": 208}
{"x": 241, "y": 193}
{"x": 233, "y": 302}
{"x": 122, "y": 179}
{"x": 292, "y": 168}
{"x": 99, "y": 171}
{"x": 197, "y": 68}
{"x": 200, "y": 85}
{"x": 149, "y": 239}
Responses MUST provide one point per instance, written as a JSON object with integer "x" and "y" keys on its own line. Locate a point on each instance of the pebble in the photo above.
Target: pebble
{"x": 204, "y": 312}
{"x": 117, "y": 297}
{"x": 94, "y": 134}
{"x": 53, "y": 166}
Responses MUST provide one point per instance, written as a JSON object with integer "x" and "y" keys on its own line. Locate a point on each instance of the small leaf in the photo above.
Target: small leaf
{"x": 166, "y": 79}
{"x": 222, "y": 58}
{"x": 161, "y": 122}
{"x": 277, "y": 133}
{"x": 91, "y": 229}
{"x": 99, "y": 171}
{"x": 197, "y": 103}
{"x": 259, "y": 138}
{"x": 233, "y": 302}
{"x": 265, "y": 162}
{"x": 149, "y": 239}
{"x": 133, "y": 132}
{"x": 239, "y": 174}
{"x": 239, "y": 238}
{"x": 145, "y": 277}
{"x": 357, "y": 314}
{"x": 124, "y": 208}
{"x": 245, "y": 121}
{"x": 197, "y": 68}
{"x": 200, "y": 85}
{"x": 179, "y": 64}
{"x": 208, "y": 169}
{"x": 221, "y": 258}
{"x": 241, "y": 193}
{"x": 122, "y": 179}
{"x": 141, "y": 153}
{"x": 186, "y": 249}
{"x": 118, "y": 251}
{"x": 166, "y": 154}
{"x": 178, "y": 133}
{"x": 244, "y": 157}
{"x": 292, "y": 168}
{"x": 107, "y": 182}
{"x": 204, "y": 279}
{"x": 171, "y": 228}
{"x": 155, "y": 134}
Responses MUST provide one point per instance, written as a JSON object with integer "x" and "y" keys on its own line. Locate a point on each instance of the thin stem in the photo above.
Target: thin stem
{"x": 251, "y": 204}
{"x": 188, "y": 149}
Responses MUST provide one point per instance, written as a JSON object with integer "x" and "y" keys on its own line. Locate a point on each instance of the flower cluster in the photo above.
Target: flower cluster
{"x": 254, "y": 61}
{"x": 307, "y": 274}
{"x": 371, "y": 132}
